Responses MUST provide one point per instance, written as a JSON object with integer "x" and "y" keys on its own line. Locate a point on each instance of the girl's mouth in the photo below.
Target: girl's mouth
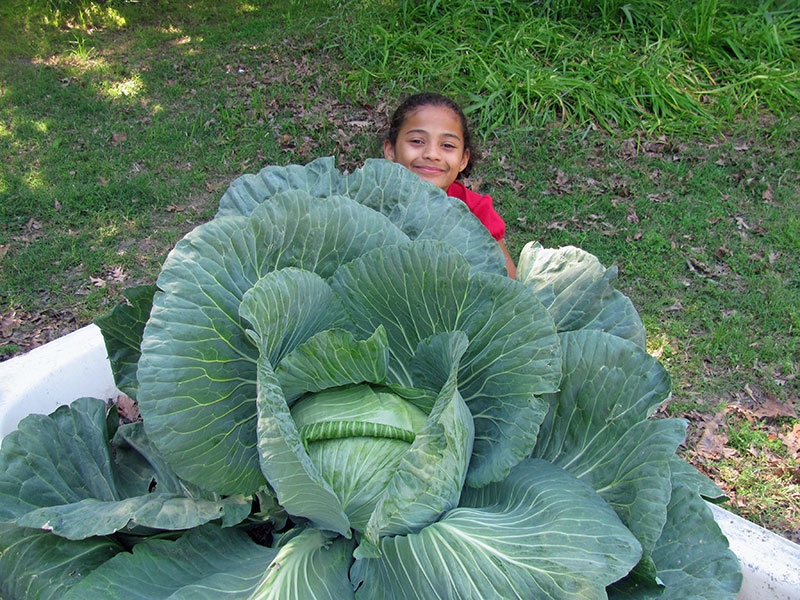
{"x": 428, "y": 170}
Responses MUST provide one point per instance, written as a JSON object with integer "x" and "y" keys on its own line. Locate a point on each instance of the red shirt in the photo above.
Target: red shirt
{"x": 481, "y": 207}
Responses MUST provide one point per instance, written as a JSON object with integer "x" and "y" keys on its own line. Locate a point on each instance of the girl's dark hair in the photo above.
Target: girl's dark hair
{"x": 416, "y": 101}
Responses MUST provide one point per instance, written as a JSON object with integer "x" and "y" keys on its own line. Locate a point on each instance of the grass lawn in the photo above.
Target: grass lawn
{"x": 121, "y": 126}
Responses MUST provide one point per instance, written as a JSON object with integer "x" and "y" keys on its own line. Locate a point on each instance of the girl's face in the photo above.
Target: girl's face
{"x": 431, "y": 144}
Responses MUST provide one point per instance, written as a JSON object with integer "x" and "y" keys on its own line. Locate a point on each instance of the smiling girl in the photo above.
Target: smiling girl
{"x": 429, "y": 135}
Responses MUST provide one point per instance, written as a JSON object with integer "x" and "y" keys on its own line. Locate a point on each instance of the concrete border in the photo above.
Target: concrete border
{"x": 76, "y": 365}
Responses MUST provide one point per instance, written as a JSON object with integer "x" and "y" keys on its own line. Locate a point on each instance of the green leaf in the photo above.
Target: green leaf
{"x": 539, "y": 534}
{"x": 424, "y": 212}
{"x": 90, "y": 517}
{"x": 687, "y": 475}
{"x": 300, "y": 488}
{"x": 692, "y": 554}
{"x": 577, "y": 290}
{"x": 122, "y": 330}
{"x": 309, "y": 565}
{"x": 197, "y": 373}
{"x": 56, "y": 459}
{"x": 422, "y": 289}
{"x": 319, "y": 178}
{"x": 356, "y": 437}
{"x": 333, "y": 358}
{"x": 596, "y": 430}
{"x": 640, "y": 584}
{"x": 286, "y": 308}
{"x": 514, "y": 356}
{"x": 429, "y": 478}
{"x": 58, "y": 474}
{"x": 37, "y": 565}
{"x": 205, "y": 563}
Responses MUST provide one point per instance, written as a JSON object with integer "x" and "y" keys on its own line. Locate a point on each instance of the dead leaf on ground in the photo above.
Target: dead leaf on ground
{"x": 118, "y": 274}
{"x": 792, "y": 440}
{"x": 772, "y": 407}
{"x": 97, "y": 281}
{"x": 118, "y": 138}
{"x": 722, "y": 252}
{"x": 4, "y": 250}
{"x": 8, "y": 323}
{"x": 712, "y": 441}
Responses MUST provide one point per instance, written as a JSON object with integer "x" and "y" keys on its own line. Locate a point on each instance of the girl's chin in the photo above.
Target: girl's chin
{"x": 434, "y": 179}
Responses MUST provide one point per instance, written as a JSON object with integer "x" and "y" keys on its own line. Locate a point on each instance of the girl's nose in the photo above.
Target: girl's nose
{"x": 431, "y": 151}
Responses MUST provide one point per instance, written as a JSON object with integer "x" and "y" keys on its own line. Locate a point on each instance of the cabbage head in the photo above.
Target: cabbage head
{"x": 343, "y": 396}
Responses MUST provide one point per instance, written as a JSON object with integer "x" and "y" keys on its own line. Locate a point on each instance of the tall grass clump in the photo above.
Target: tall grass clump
{"x": 623, "y": 64}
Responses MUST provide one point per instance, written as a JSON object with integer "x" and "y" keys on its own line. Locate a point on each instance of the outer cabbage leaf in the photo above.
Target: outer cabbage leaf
{"x": 122, "y": 330}
{"x": 424, "y": 212}
{"x": 422, "y": 289}
{"x": 197, "y": 372}
{"x": 417, "y": 207}
{"x": 207, "y": 562}
{"x": 596, "y": 428}
{"x": 686, "y": 474}
{"x": 319, "y": 178}
{"x": 37, "y": 565}
{"x": 692, "y": 554}
{"x": 541, "y": 533}
{"x": 309, "y": 565}
{"x": 210, "y": 563}
{"x": 577, "y": 291}
{"x": 429, "y": 479}
{"x": 57, "y": 473}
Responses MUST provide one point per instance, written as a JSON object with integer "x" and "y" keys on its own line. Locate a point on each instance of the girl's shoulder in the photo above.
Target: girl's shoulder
{"x": 481, "y": 206}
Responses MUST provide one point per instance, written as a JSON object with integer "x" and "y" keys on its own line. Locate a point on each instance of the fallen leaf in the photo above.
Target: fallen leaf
{"x": 118, "y": 138}
{"x": 632, "y": 217}
{"x": 176, "y": 208}
{"x": 97, "y": 281}
{"x": 8, "y": 323}
{"x": 792, "y": 440}
{"x": 4, "y": 250}
{"x": 712, "y": 443}
{"x": 57, "y": 205}
{"x": 722, "y": 252}
{"x": 118, "y": 274}
{"x": 102, "y": 181}
{"x": 771, "y": 407}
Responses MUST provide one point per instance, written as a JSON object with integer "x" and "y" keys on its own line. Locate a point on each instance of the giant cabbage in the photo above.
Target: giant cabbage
{"x": 344, "y": 397}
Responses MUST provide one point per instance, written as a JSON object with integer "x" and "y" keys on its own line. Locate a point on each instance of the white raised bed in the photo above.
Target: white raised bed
{"x": 76, "y": 365}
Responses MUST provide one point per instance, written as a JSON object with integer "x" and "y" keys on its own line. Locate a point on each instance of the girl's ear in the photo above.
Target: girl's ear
{"x": 388, "y": 150}
{"x": 464, "y": 160}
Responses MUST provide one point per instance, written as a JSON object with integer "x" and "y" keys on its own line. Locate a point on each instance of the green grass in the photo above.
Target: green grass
{"x": 122, "y": 123}
{"x": 641, "y": 65}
